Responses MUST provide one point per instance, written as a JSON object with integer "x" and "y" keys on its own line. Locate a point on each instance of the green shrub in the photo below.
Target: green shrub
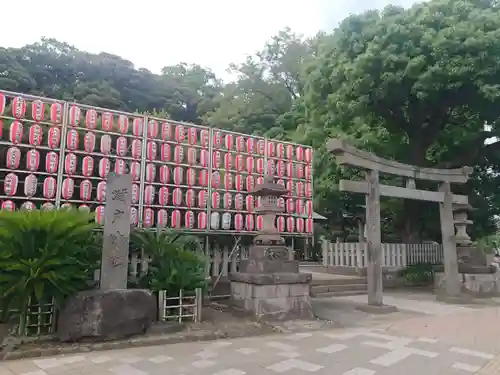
{"x": 174, "y": 264}
{"x": 45, "y": 255}
{"x": 420, "y": 273}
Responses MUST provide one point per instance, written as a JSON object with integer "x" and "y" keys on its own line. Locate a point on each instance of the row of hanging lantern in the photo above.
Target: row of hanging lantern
{"x": 165, "y": 131}
{"x": 177, "y": 165}
{"x": 218, "y": 221}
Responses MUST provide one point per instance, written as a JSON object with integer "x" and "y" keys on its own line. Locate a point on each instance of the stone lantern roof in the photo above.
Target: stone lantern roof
{"x": 268, "y": 188}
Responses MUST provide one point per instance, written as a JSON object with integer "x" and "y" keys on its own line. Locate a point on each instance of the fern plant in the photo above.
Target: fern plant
{"x": 45, "y": 255}
{"x": 174, "y": 265}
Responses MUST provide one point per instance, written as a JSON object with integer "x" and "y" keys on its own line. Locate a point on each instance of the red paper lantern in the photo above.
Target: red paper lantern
{"x": 49, "y": 188}
{"x": 148, "y": 218}
{"x": 166, "y": 131}
{"x": 176, "y": 219}
{"x": 105, "y": 143}
{"x": 190, "y": 198}
{"x": 149, "y": 195}
{"x": 202, "y": 220}
{"x": 238, "y": 202}
{"x": 249, "y": 222}
{"x": 54, "y": 137}
{"x": 10, "y": 184}
{"x": 52, "y": 163}
{"x": 238, "y": 222}
{"x": 162, "y": 218}
{"x": 123, "y": 124}
{"x": 107, "y": 121}
{"x": 16, "y": 132}
{"x": 228, "y": 142}
{"x": 137, "y": 127}
{"x": 163, "y": 196}
{"x": 68, "y": 188}
{"x": 56, "y": 112}
{"x": 30, "y": 185}
{"x": 91, "y": 119}
{"x": 75, "y": 115}
{"x": 165, "y": 152}
{"x": 101, "y": 191}
{"x": 89, "y": 144}
{"x": 13, "y": 158}
{"x": 37, "y": 110}
{"x": 70, "y": 163}
{"x": 192, "y": 136}
{"x": 152, "y": 129}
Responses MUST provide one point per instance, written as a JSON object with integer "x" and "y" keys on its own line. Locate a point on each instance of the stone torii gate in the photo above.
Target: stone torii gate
{"x": 372, "y": 189}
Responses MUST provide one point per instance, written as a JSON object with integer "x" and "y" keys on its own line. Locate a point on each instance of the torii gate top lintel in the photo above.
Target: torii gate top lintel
{"x": 346, "y": 154}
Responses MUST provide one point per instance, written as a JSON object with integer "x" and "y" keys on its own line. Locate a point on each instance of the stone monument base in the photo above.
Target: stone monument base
{"x": 276, "y": 296}
{"x": 473, "y": 286}
{"x": 100, "y": 315}
{"x": 377, "y": 309}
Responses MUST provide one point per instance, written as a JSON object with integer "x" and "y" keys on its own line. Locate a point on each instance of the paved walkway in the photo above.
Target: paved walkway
{"x": 450, "y": 340}
{"x": 341, "y": 352}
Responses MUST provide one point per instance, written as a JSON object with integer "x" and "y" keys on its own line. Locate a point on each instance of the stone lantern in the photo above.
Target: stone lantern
{"x": 461, "y": 221}
{"x": 269, "y": 284}
{"x": 269, "y": 253}
{"x": 470, "y": 258}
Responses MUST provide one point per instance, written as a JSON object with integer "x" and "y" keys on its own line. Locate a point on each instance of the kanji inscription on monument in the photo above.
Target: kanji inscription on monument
{"x": 114, "y": 262}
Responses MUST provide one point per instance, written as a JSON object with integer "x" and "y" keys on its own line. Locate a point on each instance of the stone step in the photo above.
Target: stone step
{"x": 338, "y": 281}
{"x": 339, "y": 294}
{"x": 319, "y": 289}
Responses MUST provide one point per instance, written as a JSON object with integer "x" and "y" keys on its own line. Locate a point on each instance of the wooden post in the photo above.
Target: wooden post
{"x": 452, "y": 279}
{"x": 374, "y": 241}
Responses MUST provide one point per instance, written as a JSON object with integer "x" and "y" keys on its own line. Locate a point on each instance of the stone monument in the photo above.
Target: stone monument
{"x": 269, "y": 284}
{"x": 115, "y": 248}
{"x": 113, "y": 311}
{"x": 477, "y": 277}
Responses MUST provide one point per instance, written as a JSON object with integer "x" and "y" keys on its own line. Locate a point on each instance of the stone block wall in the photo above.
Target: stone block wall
{"x": 277, "y": 301}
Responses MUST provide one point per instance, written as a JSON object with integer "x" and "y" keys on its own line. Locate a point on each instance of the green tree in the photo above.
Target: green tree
{"x": 191, "y": 91}
{"x": 58, "y": 70}
{"x": 416, "y": 85}
{"x": 266, "y": 87}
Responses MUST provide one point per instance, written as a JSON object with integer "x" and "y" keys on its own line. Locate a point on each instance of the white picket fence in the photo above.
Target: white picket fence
{"x": 394, "y": 255}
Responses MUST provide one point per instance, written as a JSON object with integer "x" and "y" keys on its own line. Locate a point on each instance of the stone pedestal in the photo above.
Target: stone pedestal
{"x": 275, "y": 296}
{"x": 480, "y": 285}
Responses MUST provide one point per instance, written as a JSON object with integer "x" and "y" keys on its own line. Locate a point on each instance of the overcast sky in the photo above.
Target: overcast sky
{"x": 156, "y": 33}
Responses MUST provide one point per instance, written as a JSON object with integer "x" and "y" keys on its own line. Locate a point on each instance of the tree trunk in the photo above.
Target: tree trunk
{"x": 411, "y": 224}
{"x": 411, "y": 228}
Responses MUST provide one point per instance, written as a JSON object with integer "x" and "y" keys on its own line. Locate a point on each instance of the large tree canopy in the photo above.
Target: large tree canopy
{"x": 58, "y": 70}
{"x": 417, "y": 85}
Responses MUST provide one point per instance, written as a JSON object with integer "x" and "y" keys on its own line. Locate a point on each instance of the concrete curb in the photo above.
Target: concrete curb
{"x": 202, "y": 335}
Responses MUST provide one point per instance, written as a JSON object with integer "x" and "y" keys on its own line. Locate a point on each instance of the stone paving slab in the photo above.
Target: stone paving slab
{"x": 492, "y": 368}
{"x": 333, "y": 352}
{"x": 417, "y": 303}
{"x": 477, "y": 329}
